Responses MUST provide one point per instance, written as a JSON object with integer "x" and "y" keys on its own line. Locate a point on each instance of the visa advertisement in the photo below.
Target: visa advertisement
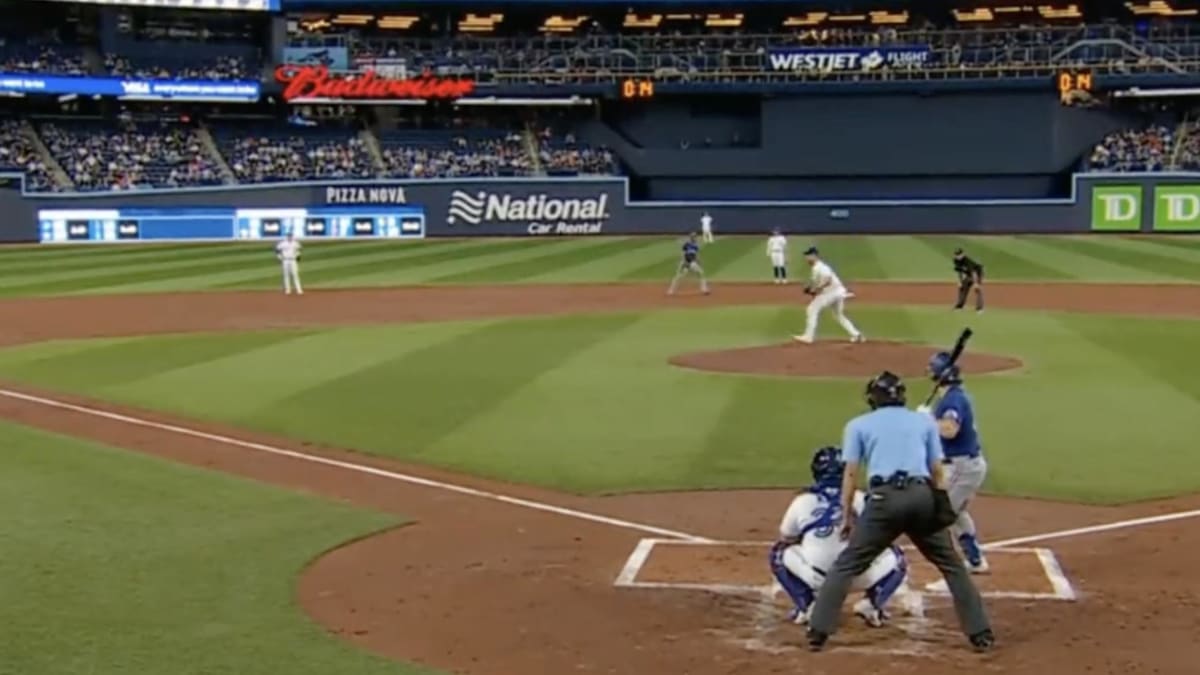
{"x": 178, "y": 90}
{"x": 848, "y": 59}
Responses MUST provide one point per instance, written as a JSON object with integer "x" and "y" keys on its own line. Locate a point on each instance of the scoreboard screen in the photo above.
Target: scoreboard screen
{"x": 181, "y": 224}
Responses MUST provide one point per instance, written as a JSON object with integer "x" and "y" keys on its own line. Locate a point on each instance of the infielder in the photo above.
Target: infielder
{"x": 809, "y": 544}
{"x": 965, "y": 466}
{"x": 706, "y": 228}
{"x": 777, "y": 252}
{"x": 827, "y": 290}
{"x": 288, "y": 254}
{"x": 690, "y": 264}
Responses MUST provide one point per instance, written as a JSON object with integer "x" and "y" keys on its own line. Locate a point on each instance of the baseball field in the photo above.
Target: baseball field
{"x": 520, "y": 456}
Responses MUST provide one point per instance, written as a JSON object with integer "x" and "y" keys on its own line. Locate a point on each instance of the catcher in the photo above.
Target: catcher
{"x": 970, "y": 275}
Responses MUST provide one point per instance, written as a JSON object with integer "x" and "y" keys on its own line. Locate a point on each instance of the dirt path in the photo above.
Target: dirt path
{"x": 481, "y": 586}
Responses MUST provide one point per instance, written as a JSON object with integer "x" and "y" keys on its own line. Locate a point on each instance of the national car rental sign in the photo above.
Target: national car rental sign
{"x": 316, "y": 84}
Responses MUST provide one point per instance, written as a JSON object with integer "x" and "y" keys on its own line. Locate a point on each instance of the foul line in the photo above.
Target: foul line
{"x": 358, "y": 468}
{"x": 1106, "y": 527}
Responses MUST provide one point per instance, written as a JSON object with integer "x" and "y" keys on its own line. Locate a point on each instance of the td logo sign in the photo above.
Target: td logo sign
{"x": 1177, "y": 207}
{"x": 1117, "y": 207}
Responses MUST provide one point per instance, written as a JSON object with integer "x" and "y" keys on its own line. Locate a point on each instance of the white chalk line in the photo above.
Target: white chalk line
{"x": 516, "y": 501}
{"x": 1061, "y": 588}
{"x": 357, "y": 468}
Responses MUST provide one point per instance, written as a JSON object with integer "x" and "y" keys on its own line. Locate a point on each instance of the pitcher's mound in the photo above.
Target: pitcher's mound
{"x": 835, "y": 358}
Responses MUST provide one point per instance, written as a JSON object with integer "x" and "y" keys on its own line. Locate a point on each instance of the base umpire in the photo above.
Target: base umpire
{"x": 970, "y": 276}
{"x": 903, "y": 457}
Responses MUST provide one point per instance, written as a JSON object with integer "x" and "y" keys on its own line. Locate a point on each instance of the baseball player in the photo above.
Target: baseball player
{"x": 777, "y": 252}
{"x": 827, "y": 290}
{"x": 706, "y": 228}
{"x": 970, "y": 275}
{"x": 288, "y": 254}
{"x": 966, "y": 467}
{"x": 809, "y": 543}
{"x": 690, "y": 264}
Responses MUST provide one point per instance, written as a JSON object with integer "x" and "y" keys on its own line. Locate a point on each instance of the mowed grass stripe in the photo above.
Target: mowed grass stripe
{"x": 323, "y": 266}
{"x": 637, "y": 252}
{"x": 422, "y": 400}
{"x": 714, "y": 258}
{"x": 1039, "y": 249}
{"x": 283, "y": 368}
{"x": 110, "y": 254}
{"x": 1155, "y": 246}
{"x": 999, "y": 261}
{"x": 565, "y": 254}
{"x": 1111, "y": 250}
{"x": 909, "y": 258}
{"x": 93, "y": 370}
{"x": 426, "y": 266}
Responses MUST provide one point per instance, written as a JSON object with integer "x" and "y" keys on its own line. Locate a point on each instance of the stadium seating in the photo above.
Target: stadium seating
{"x": 1149, "y": 149}
{"x": 457, "y": 153}
{"x": 219, "y": 68}
{"x": 18, "y": 154}
{"x": 264, "y": 153}
{"x": 97, "y": 156}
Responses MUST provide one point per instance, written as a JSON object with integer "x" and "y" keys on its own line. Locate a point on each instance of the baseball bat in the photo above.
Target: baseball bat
{"x": 959, "y": 347}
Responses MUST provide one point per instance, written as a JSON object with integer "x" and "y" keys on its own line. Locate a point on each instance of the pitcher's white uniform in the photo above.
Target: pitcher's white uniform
{"x": 706, "y": 228}
{"x": 808, "y": 518}
{"x": 777, "y": 252}
{"x": 830, "y": 293}
{"x": 288, "y": 253}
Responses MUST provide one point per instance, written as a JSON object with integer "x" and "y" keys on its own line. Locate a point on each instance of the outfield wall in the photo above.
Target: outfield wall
{"x": 572, "y": 206}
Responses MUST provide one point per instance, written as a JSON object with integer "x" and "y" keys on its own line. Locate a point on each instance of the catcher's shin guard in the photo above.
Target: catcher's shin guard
{"x": 797, "y": 590}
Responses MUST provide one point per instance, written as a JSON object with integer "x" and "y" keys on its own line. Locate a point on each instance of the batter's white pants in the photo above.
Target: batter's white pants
{"x": 291, "y": 277}
{"x": 827, "y": 298}
{"x": 964, "y": 478}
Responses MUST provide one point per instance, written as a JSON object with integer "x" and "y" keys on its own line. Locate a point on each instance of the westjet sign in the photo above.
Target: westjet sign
{"x": 839, "y": 60}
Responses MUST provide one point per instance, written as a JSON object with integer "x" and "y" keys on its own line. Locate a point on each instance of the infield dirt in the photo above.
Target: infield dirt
{"x": 477, "y": 586}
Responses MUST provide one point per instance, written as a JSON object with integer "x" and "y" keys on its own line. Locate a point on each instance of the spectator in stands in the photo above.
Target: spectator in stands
{"x": 18, "y": 153}
{"x": 42, "y": 58}
{"x": 223, "y": 68}
{"x": 265, "y": 158}
{"x": 130, "y": 156}
{"x": 1147, "y": 149}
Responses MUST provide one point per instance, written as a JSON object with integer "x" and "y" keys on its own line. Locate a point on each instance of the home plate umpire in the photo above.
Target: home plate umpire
{"x": 902, "y": 454}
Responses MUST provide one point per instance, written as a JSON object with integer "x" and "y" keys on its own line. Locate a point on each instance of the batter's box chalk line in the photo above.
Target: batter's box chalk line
{"x": 1060, "y": 585}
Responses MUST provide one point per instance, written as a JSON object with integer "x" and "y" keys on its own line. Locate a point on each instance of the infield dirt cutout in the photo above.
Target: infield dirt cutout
{"x": 478, "y": 585}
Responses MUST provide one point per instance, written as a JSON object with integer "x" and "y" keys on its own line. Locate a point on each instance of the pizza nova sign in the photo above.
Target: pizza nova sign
{"x": 317, "y": 84}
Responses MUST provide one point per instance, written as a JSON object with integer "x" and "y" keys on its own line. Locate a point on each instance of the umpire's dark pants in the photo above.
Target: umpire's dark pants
{"x": 890, "y": 512}
{"x": 964, "y": 289}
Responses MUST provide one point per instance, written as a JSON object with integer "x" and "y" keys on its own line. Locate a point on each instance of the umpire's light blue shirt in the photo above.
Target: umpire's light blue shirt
{"x": 892, "y": 439}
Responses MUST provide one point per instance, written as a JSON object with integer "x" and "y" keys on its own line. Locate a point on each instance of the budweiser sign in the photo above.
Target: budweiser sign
{"x": 316, "y": 83}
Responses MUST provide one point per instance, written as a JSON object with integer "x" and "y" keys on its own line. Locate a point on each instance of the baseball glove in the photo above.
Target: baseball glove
{"x": 809, "y": 290}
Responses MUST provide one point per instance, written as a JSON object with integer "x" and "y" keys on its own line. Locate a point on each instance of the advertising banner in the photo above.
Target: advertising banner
{"x": 1117, "y": 208}
{"x": 334, "y": 58}
{"x": 179, "y": 90}
{"x": 1177, "y": 208}
{"x": 317, "y": 84}
{"x": 848, "y": 59}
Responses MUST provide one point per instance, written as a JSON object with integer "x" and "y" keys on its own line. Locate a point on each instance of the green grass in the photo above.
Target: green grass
{"x": 50, "y": 270}
{"x": 589, "y": 404}
{"x": 121, "y": 564}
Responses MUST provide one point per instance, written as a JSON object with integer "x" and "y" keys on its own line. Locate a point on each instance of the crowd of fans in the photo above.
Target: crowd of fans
{"x": 221, "y": 68}
{"x": 454, "y": 154}
{"x": 41, "y": 58}
{"x": 564, "y": 155}
{"x": 130, "y": 156}
{"x": 18, "y": 153}
{"x": 1148, "y": 149}
{"x": 268, "y": 156}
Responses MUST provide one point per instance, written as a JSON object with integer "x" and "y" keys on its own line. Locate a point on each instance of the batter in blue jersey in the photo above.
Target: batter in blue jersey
{"x": 965, "y": 464}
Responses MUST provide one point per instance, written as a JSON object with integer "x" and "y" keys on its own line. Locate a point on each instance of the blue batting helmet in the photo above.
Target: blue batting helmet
{"x": 941, "y": 370}
{"x": 827, "y": 466}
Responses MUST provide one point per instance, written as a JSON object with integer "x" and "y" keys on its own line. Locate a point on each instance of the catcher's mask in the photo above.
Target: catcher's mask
{"x": 941, "y": 370}
{"x": 885, "y": 389}
{"x": 827, "y": 466}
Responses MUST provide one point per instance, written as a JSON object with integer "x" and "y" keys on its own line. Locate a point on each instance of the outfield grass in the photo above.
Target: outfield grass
{"x": 588, "y": 403}
{"x": 120, "y": 564}
{"x": 51, "y": 269}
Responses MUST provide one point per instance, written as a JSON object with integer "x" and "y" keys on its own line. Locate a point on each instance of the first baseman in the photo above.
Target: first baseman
{"x": 966, "y": 467}
{"x": 777, "y": 253}
{"x": 288, "y": 254}
{"x": 809, "y": 543}
{"x": 827, "y": 290}
{"x": 689, "y": 264}
{"x": 970, "y": 275}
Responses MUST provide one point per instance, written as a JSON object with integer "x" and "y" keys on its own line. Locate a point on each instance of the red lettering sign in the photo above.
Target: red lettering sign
{"x": 316, "y": 82}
